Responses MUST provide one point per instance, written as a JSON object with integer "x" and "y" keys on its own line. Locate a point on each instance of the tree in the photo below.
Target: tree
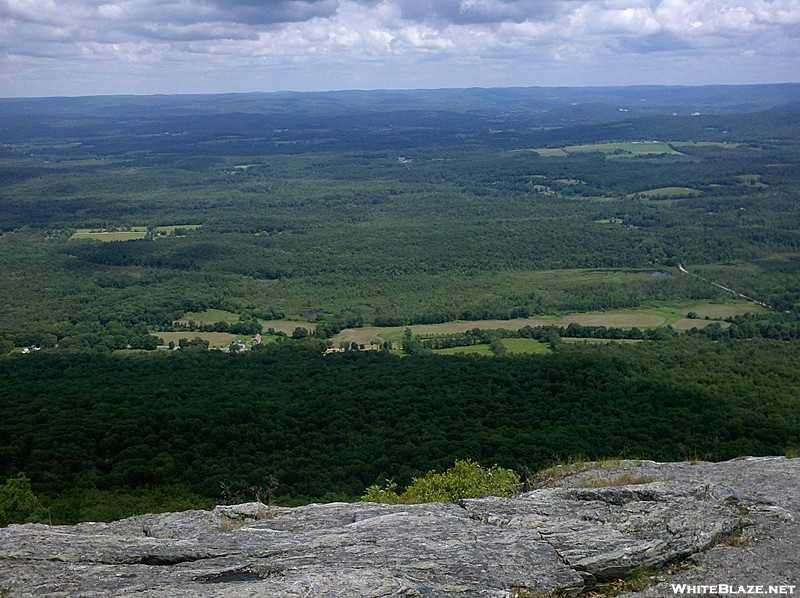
{"x": 18, "y": 503}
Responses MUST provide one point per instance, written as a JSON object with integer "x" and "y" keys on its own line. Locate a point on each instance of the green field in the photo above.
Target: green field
{"x": 169, "y": 230}
{"x": 215, "y": 339}
{"x": 725, "y": 310}
{"x": 598, "y": 341}
{"x": 210, "y": 316}
{"x": 286, "y": 326}
{"x": 525, "y": 346}
{"x": 642, "y": 318}
{"x": 689, "y": 323}
{"x": 549, "y": 152}
{"x": 471, "y": 350}
{"x": 668, "y": 193}
{"x": 102, "y": 235}
{"x": 720, "y": 144}
{"x": 624, "y": 149}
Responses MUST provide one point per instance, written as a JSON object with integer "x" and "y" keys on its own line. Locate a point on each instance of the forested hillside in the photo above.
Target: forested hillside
{"x": 664, "y": 222}
{"x": 100, "y": 430}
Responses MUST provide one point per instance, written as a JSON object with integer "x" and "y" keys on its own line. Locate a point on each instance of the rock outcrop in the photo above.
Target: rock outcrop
{"x": 736, "y": 522}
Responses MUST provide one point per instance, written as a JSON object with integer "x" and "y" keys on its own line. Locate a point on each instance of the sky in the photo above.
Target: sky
{"x": 96, "y": 47}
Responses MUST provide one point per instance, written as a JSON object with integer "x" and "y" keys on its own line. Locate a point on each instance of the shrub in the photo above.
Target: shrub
{"x": 18, "y": 503}
{"x": 466, "y": 479}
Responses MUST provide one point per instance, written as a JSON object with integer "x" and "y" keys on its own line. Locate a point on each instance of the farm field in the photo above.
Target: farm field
{"x": 286, "y": 326}
{"x": 689, "y": 323}
{"x": 209, "y": 316}
{"x": 668, "y": 193}
{"x": 598, "y": 341}
{"x": 714, "y": 144}
{"x": 612, "y": 149}
{"x": 727, "y": 310}
{"x": 471, "y": 350}
{"x": 169, "y": 230}
{"x": 106, "y": 236}
{"x": 648, "y": 318}
{"x": 216, "y": 340}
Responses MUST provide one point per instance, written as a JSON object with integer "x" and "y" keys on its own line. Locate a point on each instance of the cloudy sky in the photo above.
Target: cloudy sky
{"x": 86, "y": 47}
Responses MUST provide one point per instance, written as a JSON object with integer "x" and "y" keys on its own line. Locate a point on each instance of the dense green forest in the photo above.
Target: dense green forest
{"x": 88, "y": 427}
{"x": 120, "y": 215}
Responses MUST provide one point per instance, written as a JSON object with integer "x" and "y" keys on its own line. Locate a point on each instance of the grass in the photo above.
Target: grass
{"x": 636, "y": 581}
{"x": 624, "y": 149}
{"x": 724, "y": 310}
{"x": 286, "y": 326}
{"x": 565, "y": 468}
{"x": 753, "y": 180}
{"x": 689, "y": 323}
{"x": 215, "y": 339}
{"x": 598, "y": 341}
{"x": 210, "y": 316}
{"x": 645, "y": 317}
{"x": 168, "y": 230}
{"x": 471, "y": 350}
{"x": 668, "y": 192}
{"x": 549, "y": 152}
{"x": 107, "y": 236}
{"x": 612, "y": 149}
{"x": 404, "y": 292}
{"x": 705, "y": 144}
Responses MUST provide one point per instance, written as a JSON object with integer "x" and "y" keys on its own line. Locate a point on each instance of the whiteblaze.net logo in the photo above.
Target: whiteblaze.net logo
{"x": 725, "y": 589}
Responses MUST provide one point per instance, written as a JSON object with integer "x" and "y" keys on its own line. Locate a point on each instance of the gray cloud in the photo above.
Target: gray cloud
{"x": 273, "y": 11}
{"x": 658, "y": 42}
{"x": 364, "y": 43}
{"x": 482, "y": 11}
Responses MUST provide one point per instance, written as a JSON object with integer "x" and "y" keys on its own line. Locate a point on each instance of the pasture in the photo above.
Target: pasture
{"x": 667, "y": 193}
{"x": 286, "y": 326}
{"x": 635, "y": 318}
{"x": 624, "y": 149}
{"x": 136, "y": 232}
{"x": 215, "y": 340}
{"x": 170, "y": 230}
{"x": 549, "y": 152}
{"x": 598, "y": 341}
{"x": 209, "y": 316}
{"x": 689, "y": 323}
{"x": 724, "y": 310}
{"x": 471, "y": 350}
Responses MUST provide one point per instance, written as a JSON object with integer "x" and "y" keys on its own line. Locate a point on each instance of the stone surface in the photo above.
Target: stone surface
{"x": 732, "y": 522}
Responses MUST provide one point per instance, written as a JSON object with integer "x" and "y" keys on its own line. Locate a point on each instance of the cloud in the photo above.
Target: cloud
{"x": 339, "y": 41}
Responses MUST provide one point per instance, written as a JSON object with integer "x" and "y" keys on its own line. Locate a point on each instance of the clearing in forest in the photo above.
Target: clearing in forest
{"x": 470, "y": 350}
{"x": 286, "y": 326}
{"x": 525, "y": 345}
{"x": 215, "y": 339}
{"x": 209, "y": 316}
{"x": 95, "y": 234}
{"x": 667, "y": 193}
{"x": 613, "y": 149}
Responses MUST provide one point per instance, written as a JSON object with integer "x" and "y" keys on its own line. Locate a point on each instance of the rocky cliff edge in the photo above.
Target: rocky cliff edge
{"x": 591, "y": 529}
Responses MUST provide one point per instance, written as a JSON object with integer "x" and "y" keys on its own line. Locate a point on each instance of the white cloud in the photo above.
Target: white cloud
{"x": 456, "y": 40}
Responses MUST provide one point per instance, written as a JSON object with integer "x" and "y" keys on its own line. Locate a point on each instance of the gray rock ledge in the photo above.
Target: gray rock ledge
{"x": 704, "y": 523}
